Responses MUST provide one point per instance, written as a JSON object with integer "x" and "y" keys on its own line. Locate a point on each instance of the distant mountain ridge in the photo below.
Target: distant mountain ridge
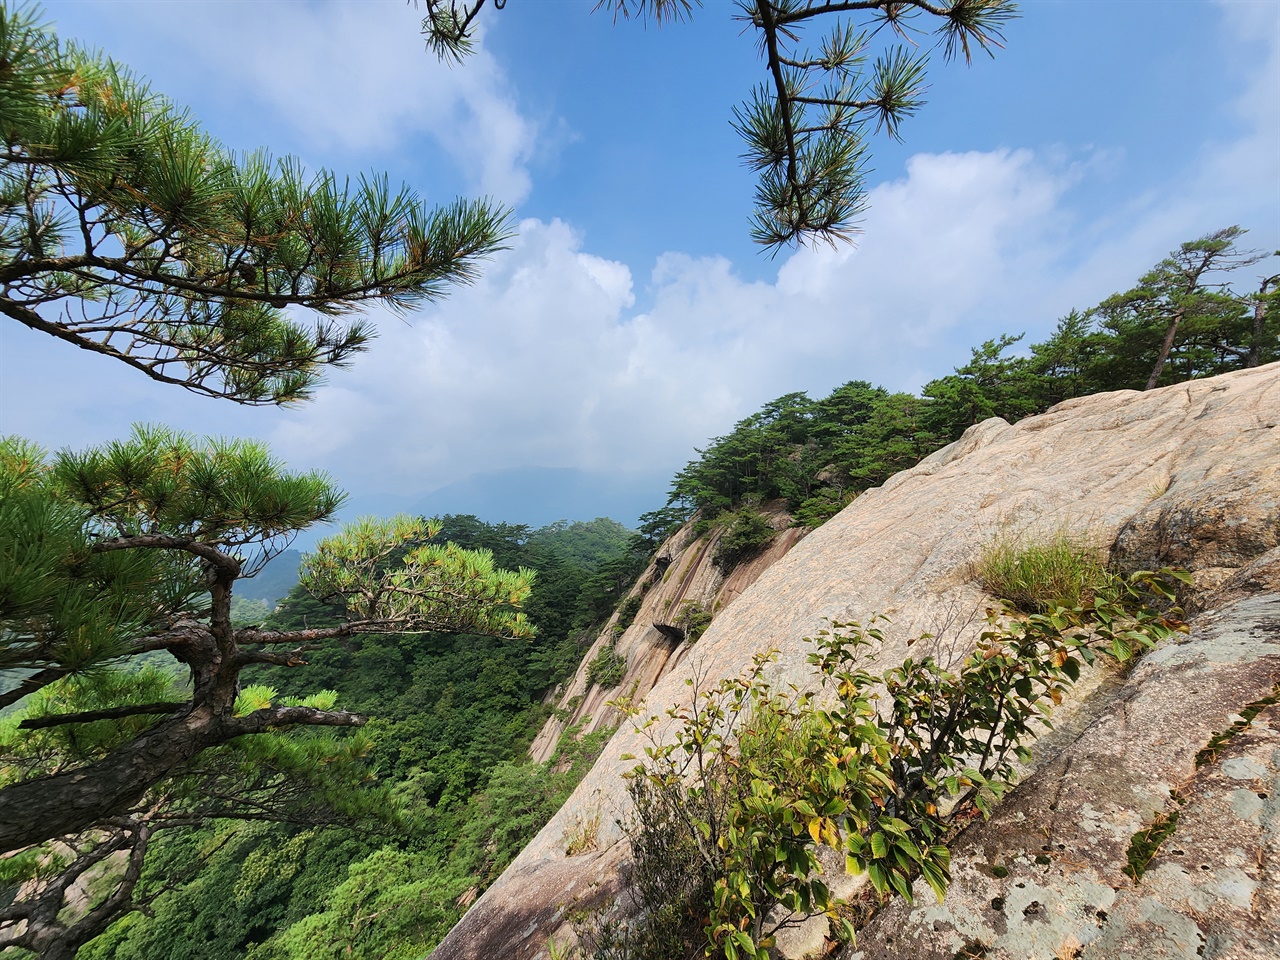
{"x": 274, "y": 580}
{"x": 539, "y": 496}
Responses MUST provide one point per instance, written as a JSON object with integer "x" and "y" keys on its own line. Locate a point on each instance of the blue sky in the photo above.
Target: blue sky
{"x": 632, "y": 319}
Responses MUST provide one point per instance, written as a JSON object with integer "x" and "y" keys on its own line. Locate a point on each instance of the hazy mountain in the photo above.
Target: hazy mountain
{"x": 538, "y": 496}
{"x": 274, "y": 580}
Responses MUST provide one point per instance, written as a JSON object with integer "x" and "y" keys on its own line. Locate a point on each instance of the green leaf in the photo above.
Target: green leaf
{"x": 936, "y": 879}
{"x": 879, "y": 849}
{"x": 878, "y": 878}
{"x": 901, "y": 885}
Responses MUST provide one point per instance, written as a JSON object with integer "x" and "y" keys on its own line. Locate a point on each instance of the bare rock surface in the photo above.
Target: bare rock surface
{"x": 1189, "y": 474}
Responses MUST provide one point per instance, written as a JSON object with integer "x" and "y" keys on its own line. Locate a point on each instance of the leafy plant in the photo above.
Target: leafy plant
{"x": 1065, "y": 568}
{"x": 450, "y": 718}
{"x": 816, "y": 510}
{"x": 732, "y": 811}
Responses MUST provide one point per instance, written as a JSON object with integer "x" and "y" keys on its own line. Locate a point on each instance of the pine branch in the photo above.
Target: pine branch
{"x": 31, "y": 684}
{"x": 224, "y": 562}
{"x": 113, "y": 713}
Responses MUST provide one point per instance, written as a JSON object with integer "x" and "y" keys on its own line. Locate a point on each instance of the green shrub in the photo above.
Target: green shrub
{"x": 694, "y": 619}
{"x": 607, "y": 668}
{"x": 628, "y": 610}
{"x": 1066, "y": 569}
{"x": 746, "y": 533}
{"x": 818, "y": 509}
{"x": 730, "y": 812}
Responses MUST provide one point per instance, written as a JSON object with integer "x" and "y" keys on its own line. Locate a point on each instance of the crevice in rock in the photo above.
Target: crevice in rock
{"x": 1209, "y": 753}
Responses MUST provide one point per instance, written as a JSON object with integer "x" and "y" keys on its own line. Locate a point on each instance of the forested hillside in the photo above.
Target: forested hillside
{"x": 1179, "y": 322}
{"x": 450, "y": 717}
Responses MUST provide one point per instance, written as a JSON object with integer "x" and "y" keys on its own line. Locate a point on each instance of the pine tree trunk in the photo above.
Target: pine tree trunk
{"x": 1254, "y": 356}
{"x": 37, "y": 810}
{"x": 1165, "y": 349}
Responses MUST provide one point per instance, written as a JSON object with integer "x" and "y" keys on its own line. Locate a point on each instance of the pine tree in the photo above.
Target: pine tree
{"x": 1177, "y": 323}
{"x": 805, "y": 127}
{"x": 122, "y": 558}
{"x": 127, "y": 230}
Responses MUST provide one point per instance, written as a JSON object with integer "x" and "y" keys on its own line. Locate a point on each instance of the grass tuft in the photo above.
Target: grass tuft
{"x": 1065, "y": 569}
{"x": 1146, "y": 842}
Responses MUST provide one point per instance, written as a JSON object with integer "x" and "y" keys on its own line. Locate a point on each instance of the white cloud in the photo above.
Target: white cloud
{"x": 547, "y": 362}
{"x": 335, "y": 77}
{"x": 1249, "y": 166}
{"x": 542, "y": 363}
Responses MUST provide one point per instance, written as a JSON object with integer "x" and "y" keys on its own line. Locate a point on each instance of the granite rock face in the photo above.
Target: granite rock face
{"x": 1186, "y": 475}
{"x": 682, "y": 575}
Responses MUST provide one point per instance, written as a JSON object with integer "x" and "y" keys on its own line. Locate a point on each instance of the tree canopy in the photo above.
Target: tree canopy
{"x": 450, "y": 716}
{"x": 805, "y": 128}
{"x": 126, "y": 230}
{"x": 124, "y": 552}
{"x": 1181, "y": 321}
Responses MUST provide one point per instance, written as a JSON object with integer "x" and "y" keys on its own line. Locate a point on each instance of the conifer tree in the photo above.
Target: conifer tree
{"x": 127, "y": 230}
{"x": 131, "y": 551}
{"x": 1178, "y": 315}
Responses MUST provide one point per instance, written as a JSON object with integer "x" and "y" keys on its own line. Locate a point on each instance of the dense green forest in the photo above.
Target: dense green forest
{"x": 452, "y": 716}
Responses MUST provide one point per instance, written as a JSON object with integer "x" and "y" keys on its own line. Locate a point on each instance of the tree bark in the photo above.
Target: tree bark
{"x": 31, "y": 684}
{"x": 38, "y": 810}
{"x": 46, "y": 930}
{"x": 1165, "y": 348}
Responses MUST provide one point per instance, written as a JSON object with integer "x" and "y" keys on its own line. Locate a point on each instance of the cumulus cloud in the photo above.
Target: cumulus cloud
{"x": 336, "y": 77}
{"x": 546, "y": 362}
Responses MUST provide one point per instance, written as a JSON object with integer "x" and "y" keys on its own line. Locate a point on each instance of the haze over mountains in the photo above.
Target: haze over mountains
{"x": 535, "y": 496}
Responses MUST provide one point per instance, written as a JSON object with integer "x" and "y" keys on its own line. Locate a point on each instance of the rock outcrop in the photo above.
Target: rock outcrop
{"x": 1188, "y": 474}
{"x": 681, "y": 579}
{"x": 1045, "y": 877}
